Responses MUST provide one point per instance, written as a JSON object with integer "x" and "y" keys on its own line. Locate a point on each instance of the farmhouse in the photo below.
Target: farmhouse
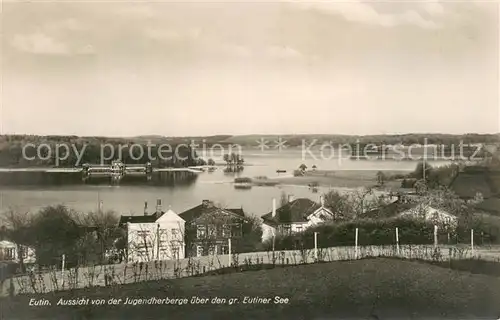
{"x": 209, "y": 228}
{"x": 473, "y": 181}
{"x": 156, "y": 236}
{"x": 294, "y": 216}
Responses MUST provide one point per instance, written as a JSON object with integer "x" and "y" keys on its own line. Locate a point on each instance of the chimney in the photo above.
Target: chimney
{"x": 322, "y": 200}
{"x": 158, "y": 206}
{"x": 274, "y": 208}
{"x": 145, "y": 208}
{"x": 291, "y": 198}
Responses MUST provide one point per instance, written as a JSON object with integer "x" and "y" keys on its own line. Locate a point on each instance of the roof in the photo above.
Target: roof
{"x": 150, "y": 218}
{"x": 491, "y": 205}
{"x": 206, "y": 207}
{"x": 391, "y": 209}
{"x": 294, "y": 211}
{"x": 7, "y": 244}
{"x": 469, "y": 182}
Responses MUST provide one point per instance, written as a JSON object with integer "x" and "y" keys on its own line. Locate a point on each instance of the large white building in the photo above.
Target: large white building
{"x": 156, "y": 236}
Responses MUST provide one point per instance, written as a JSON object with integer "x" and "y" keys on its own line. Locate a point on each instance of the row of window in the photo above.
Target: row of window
{"x": 226, "y": 231}
{"x": 287, "y": 229}
{"x": 163, "y": 233}
{"x": 212, "y": 250}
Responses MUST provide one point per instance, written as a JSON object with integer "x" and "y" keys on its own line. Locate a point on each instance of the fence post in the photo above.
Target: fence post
{"x": 435, "y": 236}
{"x": 397, "y": 240}
{"x": 62, "y": 270}
{"x": 229, "y": 253}
{"x": 472, "y": 241}
{"x": 316, "y": 246}
{"x": 356, "y": 244}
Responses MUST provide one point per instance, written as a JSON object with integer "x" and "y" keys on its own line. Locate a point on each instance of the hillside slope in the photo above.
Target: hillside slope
{"x": 365, "y": 289}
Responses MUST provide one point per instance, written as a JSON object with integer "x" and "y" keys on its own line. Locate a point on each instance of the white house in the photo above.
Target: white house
{"x": 429, "y": 213}
{"x": 294, "y": 216}
{"x": 156, "y": 236}
{"x": 9, "y": 251}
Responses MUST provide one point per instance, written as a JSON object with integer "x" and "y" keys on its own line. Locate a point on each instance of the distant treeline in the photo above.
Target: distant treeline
{"x": 404, "y": 139}
{"x": 33, "y": 151}
{"x": 291, "y": 140}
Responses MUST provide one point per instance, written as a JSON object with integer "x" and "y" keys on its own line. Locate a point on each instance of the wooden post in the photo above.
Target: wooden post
{"x": 62, "y": 269}
{"x": 472, "y": 241}
{"x": 435, "y": 236}
{"x": 356, "y": 244}
{"x": 397, "y": 240}
{"x": 316, "y": 246}
{"x": 229, "y": 255}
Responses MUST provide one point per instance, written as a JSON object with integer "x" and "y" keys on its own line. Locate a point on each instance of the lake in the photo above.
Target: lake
{"x": 215, "y": 186}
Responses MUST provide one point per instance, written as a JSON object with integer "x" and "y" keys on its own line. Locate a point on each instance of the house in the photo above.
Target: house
{"x": 490, "y": 206}
{"x": 9, "y": 252}
{"x": 210, "y": 228}
{"x": 473, "y": 181}
{"x": 294, "y": 216}
{"x": 429, "y": 213}
{"x": 156, "y": 236}
{"x": 404, "y": 207}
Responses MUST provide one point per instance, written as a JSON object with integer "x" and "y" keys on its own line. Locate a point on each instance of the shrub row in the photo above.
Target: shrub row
{"x": 382, "y": 232}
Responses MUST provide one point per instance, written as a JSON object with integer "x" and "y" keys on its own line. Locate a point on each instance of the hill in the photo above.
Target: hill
{"x": 363, "y": 289}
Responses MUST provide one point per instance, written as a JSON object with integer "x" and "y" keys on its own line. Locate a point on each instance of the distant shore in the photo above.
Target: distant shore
{"x": 340, "y": 178}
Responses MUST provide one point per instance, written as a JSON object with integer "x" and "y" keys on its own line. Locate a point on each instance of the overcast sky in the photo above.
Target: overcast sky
{"x": 177, "y": 69}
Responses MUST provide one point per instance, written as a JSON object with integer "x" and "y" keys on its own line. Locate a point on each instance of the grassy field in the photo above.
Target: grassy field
{"x": 364, "y": 289}
{"x": 341, "y": 179}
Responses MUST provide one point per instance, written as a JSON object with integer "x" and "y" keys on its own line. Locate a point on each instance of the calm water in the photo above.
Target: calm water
{"x": 215, "y": 186}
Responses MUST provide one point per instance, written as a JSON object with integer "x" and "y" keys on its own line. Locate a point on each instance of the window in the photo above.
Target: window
{"x": 211, "y": 231}
{"x": 9, "y": 253}
{"x": 175, "y": 252}
{"x": 212, "y": 250}
{"x": 201, "y": 231}
{"x": 287, "y": 229}
{"x": 163, "y": 235}
{"x": 298, "y": 229}
{"x": 143, "y": 233}
{"x": 224, "y": 249}
{"x": 199, "y": 251}
{"x": 175, "y": 233}
{"x": 226, "y": 231}
{"x": 236, "y": 231}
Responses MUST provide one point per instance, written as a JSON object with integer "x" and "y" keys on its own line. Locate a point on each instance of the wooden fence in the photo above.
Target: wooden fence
{"x": 107, "y": 275}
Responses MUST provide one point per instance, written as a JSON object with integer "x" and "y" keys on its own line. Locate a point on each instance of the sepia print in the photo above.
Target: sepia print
{"x": 249, "y": 159}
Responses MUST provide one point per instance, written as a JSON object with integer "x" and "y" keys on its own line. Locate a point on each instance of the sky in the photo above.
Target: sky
{"x": 125, "y": 68}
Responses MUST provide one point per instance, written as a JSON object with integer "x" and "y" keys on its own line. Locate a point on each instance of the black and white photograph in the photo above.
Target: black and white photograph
{"x": 249, "y": 159}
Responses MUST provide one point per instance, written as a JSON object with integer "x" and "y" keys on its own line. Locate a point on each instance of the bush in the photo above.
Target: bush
{"x": 382, "y": 232}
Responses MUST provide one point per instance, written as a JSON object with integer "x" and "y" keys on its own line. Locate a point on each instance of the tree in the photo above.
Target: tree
{"x": 420, "y": 187}
{"x": 381, "y": 178}
{"x": 352, "y": 205}
{"x": 105, "y": 226}
{"x": 251, "y": 239}
{"x": 55, "y": 232}
{"x": 339, "y": 205}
